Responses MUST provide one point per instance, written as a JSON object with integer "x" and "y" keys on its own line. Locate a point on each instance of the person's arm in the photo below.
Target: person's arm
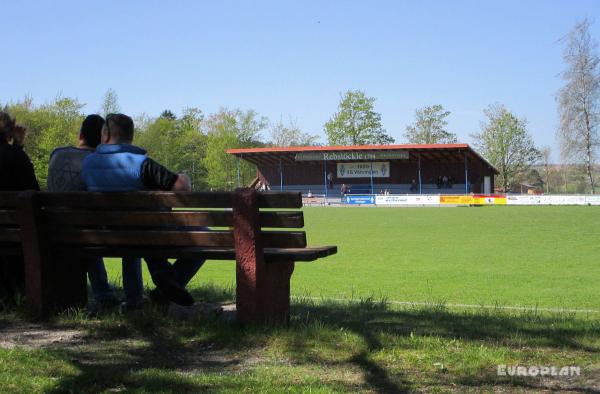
{"x": 182, "y": 184}
{"x": 157, "y": 177}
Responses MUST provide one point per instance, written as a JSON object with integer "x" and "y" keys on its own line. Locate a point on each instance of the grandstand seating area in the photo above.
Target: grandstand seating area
{"x": 319, "y": 190}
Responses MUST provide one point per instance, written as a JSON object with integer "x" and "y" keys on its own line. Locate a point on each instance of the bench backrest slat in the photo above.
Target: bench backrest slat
{"x": 10, "y": 235}
{"x": 8, "y": 199}
{"x": 156, "y": 200}
{"x": 61, "y": 217}
{"x": 8, "y": 217}
{"x": 270, "y": 239}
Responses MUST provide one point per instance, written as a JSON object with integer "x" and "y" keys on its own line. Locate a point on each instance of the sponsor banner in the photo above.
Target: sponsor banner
{"x": 563, "y": 200}
{"x": 381, "y": 169}
{"x": 524, "y": 200}
{"x": 457, "y": 200}
{"x": 352, "y": 155}
{"x": 488, "y": 199}
{"x": 592, "y": 200}
{"x": 358, "y": 199}
{"x": 408, "y": 200}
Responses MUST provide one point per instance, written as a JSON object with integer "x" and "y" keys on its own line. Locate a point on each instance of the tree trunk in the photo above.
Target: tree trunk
{"x": 588, "y": 152}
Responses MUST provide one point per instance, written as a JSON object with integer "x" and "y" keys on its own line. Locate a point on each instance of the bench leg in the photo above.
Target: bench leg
{"x": 276, "y": 294}
{"x": 69, "y": 284}
{"x": 263, "y": 296}
{"x": 262, "y": 289}
{"x": 50, "y": 283}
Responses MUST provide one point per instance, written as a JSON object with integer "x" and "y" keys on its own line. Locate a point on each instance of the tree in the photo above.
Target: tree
{"x": 168, "y": 114}
{"x": 430, "y": 127}
{"x": 225, "y": 130}
{"x": 545, "y": 154}
{"x": 505, "y": 143}
{"x": 579, "y": 99}
{"x": 49, "y": 126}
{"x": 290, "y": 135}
{"x": 356, "y": 122}
{"x": 110, "y": 104}
{"x": 179, "y": 144}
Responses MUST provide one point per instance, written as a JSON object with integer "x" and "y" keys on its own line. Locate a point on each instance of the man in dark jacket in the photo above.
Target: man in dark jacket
{"x": 119, "y": 166}
{"x": 16, "y": 173}
{"x": 64, "y": 175}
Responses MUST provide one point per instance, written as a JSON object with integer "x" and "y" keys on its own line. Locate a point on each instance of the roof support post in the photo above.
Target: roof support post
{"x": 466, "y": 174}
{"x": 420, "y": 184}
{"x": 372, "y": 190}
{"x": 280, "y": 176}
{"x": 238, "y": 171}
{"x": 325, "y": 178}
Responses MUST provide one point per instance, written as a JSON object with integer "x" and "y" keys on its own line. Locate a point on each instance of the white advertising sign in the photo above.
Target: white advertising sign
{"x": 408, "y": 200}
{"x": 380, "y": 169}
{"x": 524, "y": 200}
{"x": 592, "y": 200}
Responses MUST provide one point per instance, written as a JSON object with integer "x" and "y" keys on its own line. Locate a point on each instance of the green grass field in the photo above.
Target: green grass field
{"x": 503, "y": 256}
{"x": 513, "y": 256}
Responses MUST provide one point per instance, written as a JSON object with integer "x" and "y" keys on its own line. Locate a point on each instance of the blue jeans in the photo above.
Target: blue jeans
{"x": 133, "y": 284}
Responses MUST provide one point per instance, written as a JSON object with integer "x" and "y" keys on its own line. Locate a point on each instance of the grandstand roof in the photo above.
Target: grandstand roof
{"x": 443, "y": 153}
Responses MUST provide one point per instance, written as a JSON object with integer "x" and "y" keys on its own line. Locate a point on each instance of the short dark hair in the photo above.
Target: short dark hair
{"x": 91, "y": 130}
{"x": 120, "y": 126}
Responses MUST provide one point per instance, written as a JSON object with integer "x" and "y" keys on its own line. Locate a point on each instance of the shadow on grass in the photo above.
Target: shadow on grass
{"x": 218, "y": 352}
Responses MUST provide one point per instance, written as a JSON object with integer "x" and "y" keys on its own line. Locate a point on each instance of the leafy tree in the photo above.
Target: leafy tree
{"x": 290, "y": 135}
{"x": 505, "y": 142}
{"x": 430, "y": 127}
{"x": 168, "y": 114}
{"x": 579, "y": 100}
{"x": 178, "y": 144}
{"x": 356, "y": 122}
{"x": 110, "y": 103}
{"x": 225, "y": 130}
{"x": 49, "y": 126}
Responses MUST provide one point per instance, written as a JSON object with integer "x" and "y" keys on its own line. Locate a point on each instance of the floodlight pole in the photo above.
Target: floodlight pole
{"x": 466, "y": 174}
{"x": 420, "y": 187}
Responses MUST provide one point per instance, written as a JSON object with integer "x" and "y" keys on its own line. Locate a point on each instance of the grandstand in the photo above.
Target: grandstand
{"x": 372, "y": 169}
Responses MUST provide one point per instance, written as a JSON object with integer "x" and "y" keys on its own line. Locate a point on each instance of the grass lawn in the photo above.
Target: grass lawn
{"x": 544, "y": 256}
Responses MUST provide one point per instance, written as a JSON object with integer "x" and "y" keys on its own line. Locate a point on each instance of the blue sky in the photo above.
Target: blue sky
{"x": 292, "y": 59}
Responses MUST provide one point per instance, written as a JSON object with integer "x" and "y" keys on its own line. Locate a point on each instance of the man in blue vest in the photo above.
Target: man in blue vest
{"x": 119, "y": 166}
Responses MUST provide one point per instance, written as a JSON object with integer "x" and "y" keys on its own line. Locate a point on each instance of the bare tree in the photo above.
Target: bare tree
{"x": 579, "y": 99}
{"x": 545, "y": 154}
{"x": 290, "y": 135}
{"x": 110, "y": 103}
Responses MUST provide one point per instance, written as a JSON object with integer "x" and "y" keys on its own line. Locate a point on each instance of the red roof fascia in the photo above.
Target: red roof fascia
{"x": 351, "y": 147}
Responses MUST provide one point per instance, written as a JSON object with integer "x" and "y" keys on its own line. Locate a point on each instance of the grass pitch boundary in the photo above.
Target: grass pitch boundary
{"x": 454, "y": 306}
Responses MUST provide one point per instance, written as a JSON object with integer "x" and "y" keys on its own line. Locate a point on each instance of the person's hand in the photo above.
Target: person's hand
{"x": 18, "y": 135}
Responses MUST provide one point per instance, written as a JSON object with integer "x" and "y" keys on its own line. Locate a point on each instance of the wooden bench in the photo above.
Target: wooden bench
{"x": 55, "y": 227}
{"x": 10, "y": 235}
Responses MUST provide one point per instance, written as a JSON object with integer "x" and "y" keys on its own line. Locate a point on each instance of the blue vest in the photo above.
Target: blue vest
{"x": 114, "y": 168}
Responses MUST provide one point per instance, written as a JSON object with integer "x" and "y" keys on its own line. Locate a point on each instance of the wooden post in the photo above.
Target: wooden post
{"x": 35, "y": 255}
{"x": 262, "y": 290}
{"x": 48, "y": 284}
